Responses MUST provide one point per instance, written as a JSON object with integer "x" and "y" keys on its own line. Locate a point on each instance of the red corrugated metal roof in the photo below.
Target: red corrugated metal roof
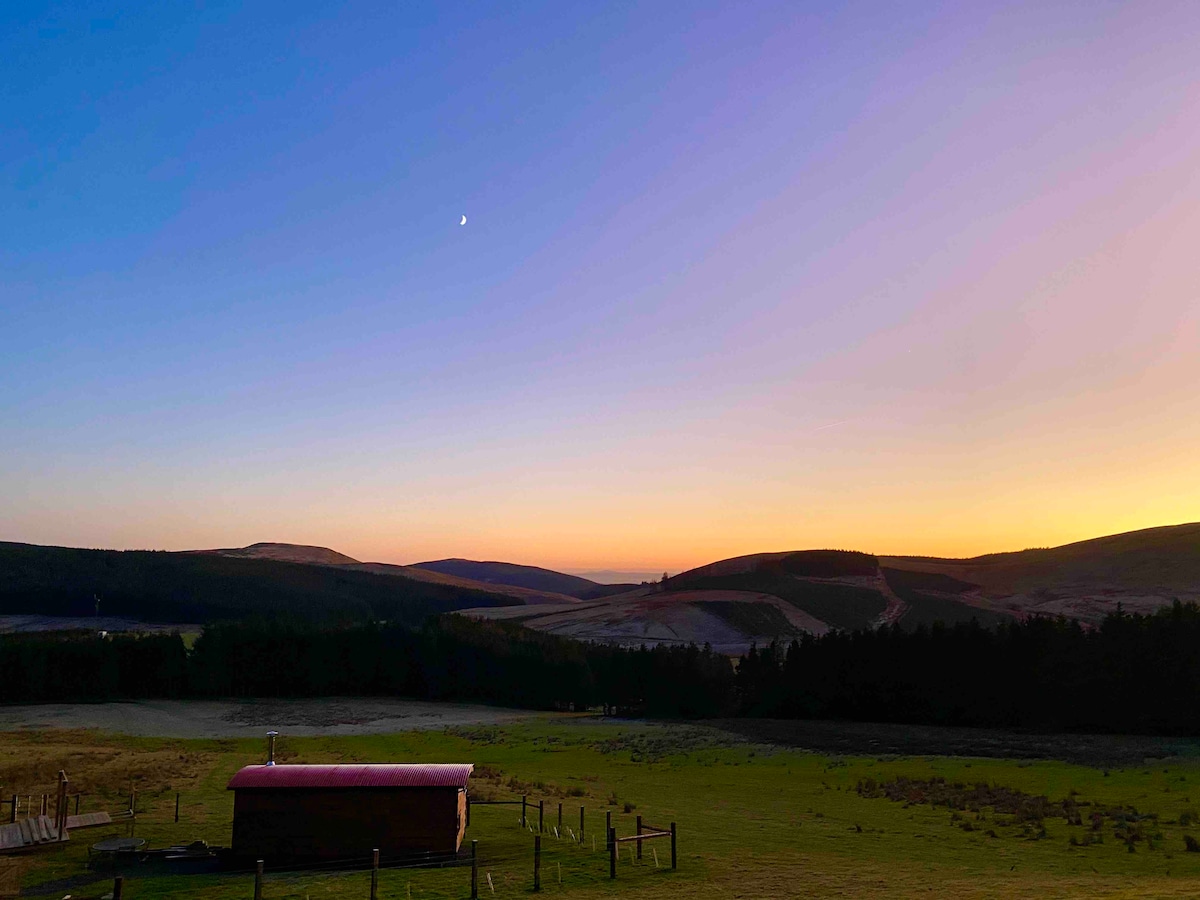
{"x": 453, "y": 775}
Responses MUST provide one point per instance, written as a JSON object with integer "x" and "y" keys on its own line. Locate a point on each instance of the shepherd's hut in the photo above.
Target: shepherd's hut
{"x": 298, "y": 812}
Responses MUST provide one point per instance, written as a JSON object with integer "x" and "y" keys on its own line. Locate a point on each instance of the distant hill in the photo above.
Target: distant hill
{"x": 531, "y": 577}
{"x": 730, "y": 603}
{"x": 323, "y": 556}
{"x": 734, "y": 602}
{"x": 297, "y": 553}
{"x": 519, "y": 594}
{"x": 156, "y": 586}
{"x": 1140, "y": 570}
{"x": 804, "y": 563}
{"x": 839, "y": 588}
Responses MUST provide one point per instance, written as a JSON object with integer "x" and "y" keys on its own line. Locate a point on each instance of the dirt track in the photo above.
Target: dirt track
{"x": 250, "y": 718}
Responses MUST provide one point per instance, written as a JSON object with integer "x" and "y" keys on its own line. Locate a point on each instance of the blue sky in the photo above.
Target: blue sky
{"x": 237, "y": 304}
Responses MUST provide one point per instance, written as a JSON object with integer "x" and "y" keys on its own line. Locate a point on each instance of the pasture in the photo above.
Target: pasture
{"x": 754, "y": 819}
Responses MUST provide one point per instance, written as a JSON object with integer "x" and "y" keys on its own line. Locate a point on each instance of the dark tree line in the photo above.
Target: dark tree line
{"x": 1133, "y": 674}
{"x": 450, "y": 658}
{"x": 66, "y": 667}
{"x": 1136, "y": 674}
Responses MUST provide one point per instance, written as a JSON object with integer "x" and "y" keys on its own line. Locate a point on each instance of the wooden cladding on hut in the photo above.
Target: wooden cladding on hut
{"x": 296, "y": 812}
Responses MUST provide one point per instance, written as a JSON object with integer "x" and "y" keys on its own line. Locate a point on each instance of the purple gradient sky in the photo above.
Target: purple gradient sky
{"x": 736, "y": 277}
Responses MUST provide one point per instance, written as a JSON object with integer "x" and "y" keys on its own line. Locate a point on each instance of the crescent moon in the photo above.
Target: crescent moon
{"x": 464, "y": 221}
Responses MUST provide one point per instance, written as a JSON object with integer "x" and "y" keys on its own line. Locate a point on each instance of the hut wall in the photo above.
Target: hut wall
{"x": 346, "y": 823}
{"x": 462, "y": 817}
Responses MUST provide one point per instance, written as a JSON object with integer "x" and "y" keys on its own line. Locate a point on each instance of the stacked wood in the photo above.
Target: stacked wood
{"x": 31, "y": 832}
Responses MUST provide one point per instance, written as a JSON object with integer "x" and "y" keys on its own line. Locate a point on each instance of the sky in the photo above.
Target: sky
{"x": 736, "y": 277}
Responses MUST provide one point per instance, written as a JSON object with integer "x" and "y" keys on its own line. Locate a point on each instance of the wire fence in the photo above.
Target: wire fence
{"x": 505, "y": 855}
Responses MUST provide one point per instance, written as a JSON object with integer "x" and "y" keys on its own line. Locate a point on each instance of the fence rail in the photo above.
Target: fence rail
{"x": 523, "y": 803}
{"x": 644, "y": 836}
{"x": 553, "y": 854}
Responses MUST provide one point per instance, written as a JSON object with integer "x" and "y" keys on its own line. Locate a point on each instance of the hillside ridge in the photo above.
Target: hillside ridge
{"x": 731, "y": 603}
{"x": 298, "y": 553}
{"x": 758, "y": 597}
{"x": 494, "y": 572}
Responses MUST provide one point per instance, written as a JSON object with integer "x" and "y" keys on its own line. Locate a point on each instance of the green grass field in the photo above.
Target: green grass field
{"x": 754, "y": 820}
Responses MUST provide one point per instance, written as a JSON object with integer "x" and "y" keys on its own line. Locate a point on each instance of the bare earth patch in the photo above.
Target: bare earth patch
{"x": 248, "y": 718}
{"x": 651, "y": 618}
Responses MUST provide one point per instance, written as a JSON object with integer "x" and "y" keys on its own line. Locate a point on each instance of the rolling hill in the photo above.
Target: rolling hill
{"x": 1140, "y": 570}
{"x": 157, "y": 586}
{"x": 730, "y": 603}
{"x": 517, "y": 593}
{"x": 532, "y": 577}
{"x": 529, "y": 584}
{"x": 734, "y": 602}
{"x": 323, "y": 556}
{"x": 297, "y": 553}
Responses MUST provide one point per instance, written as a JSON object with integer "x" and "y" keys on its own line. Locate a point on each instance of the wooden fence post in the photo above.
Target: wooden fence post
{"x": 375, "y": 874}
{"x": 177, "y": 807}
{"x": 258, "y": 873}
{"x": 524, "y": 802}
{"x": 474, "y": 870}
{"x": 560, "y": 820}
{"x": 608, "y": 829}
{"x": 541, "y": 816}
{"x": 133, "y": 800}
{"x": 13, "y": 816}
{"x": 76, "y": 804}
{"x": 612, "y": 853}
{"x": 639, "y": 831}
{"x": 118, "y": 885}
{"x": 60, "y": 806}
{"x": 537, "y": 862}
{"x": 672, "y": 845}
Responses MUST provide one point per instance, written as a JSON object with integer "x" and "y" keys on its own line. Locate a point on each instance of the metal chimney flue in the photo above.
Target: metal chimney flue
{"x": 271, "y": 735}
